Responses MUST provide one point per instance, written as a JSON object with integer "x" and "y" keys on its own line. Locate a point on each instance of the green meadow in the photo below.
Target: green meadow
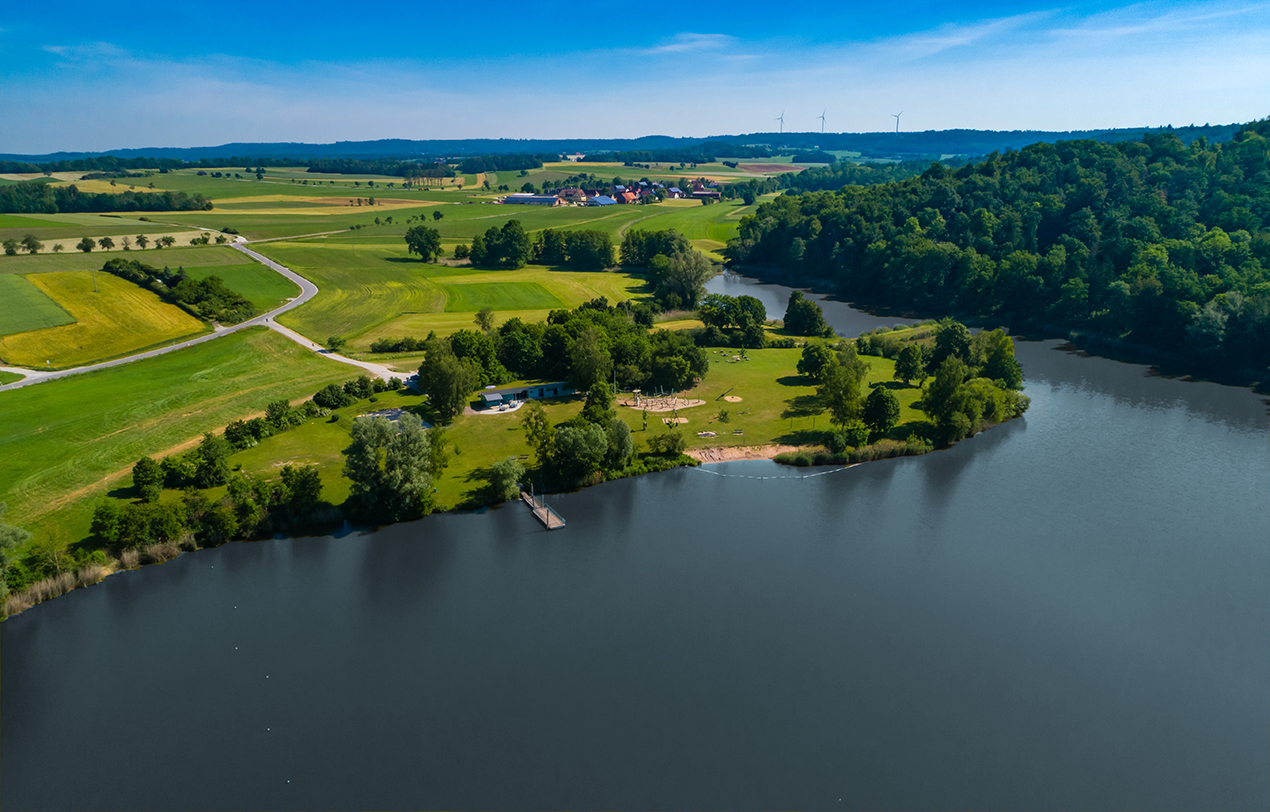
{"x": 66, "y": 442}
{"x": 27, "y": 308}
{"x": 262, "y": 287}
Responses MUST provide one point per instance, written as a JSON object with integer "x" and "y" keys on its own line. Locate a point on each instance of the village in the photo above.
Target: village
{"x": 642, "y": 191}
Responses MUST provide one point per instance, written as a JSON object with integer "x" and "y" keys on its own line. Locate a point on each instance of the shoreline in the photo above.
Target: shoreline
{"x": 741, "y": 452}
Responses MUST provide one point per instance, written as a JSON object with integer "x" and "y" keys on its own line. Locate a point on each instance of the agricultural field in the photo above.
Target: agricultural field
{"x": 262, "y": 287}
{"x": 27, "y": 308}
{"x": 66, "y": 442}
{"x": 117, "y": 319}
{"x": 176, "y": 256}
{"x": 67, "y": 229}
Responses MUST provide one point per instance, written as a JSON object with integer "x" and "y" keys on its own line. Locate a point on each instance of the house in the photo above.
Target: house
{"x": 627, "y": 197}
{"x": 600, "y": 200}
{"x": 699, "y": 194}
{"x": 526, "y": 199}
{"x": 675, "y": 192}
{"x": 510, "y": 394}
{"x": 572, "y": 195}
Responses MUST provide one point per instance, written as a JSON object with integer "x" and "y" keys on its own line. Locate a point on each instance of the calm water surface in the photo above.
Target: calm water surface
{"x": 1068, "y": 611}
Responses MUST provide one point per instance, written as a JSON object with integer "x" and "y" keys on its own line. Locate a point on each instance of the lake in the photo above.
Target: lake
{"x": 1067, "y": 611}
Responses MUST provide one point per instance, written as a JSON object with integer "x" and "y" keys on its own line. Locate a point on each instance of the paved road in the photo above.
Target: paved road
{"x": 307, "y": 291}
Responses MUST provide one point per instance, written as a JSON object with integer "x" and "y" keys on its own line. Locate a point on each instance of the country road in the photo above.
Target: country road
{"x": 307, "y": 291}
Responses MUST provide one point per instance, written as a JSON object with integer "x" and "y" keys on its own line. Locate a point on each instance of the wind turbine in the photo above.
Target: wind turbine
{"x": 822, "y": 119}
{"x": 781, "y": 119}
{"x": 896, "y": 116}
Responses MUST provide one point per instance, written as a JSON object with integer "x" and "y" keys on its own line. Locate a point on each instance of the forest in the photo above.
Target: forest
{"x": 35, "y": 197}
{"x": 1149, "y": 245}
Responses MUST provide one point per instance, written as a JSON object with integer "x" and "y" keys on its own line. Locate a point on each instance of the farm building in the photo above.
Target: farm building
{"x": 600, "y": 200}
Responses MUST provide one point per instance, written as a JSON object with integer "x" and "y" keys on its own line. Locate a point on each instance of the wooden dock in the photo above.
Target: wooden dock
{"x": 550, "y": 519}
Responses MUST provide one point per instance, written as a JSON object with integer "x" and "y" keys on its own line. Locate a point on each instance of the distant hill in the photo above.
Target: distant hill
{"x": 903, "y": 145}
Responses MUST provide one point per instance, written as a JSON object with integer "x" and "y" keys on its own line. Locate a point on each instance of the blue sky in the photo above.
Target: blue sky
{"x": 201, "y": 73}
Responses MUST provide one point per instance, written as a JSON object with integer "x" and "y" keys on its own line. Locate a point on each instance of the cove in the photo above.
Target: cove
{"x": 1067, "y": 611}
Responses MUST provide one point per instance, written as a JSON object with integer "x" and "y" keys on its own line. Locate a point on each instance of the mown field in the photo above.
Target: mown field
{"x": 176, "y": 256}
{"x": 118, "y": 319}
{"x": 27, "y": 308}
{"x": 262, "y": 287}
{"x": 64, "y": 439}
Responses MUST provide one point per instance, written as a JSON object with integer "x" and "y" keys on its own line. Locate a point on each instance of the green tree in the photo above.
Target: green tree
{"x": 590, "y": 361}
{"x": 279, "y": 414}
{"x": 579, "y": 451}
{"x": 212, "y": 468}
{"x": 424, "y": 241}
{"x": 881, "y": 410}
{"x": 485, "y": 319}
{"x": 105, "y": 525}
{"x": 147, "y": 479}
{"x": 539, "y": 432}
{"x": 816, "y": 359}
{"x": 106, "y": 243}
{"x": 598, "y": 408}
{"x": 621, "y": 445}
{"x": 505, "y": 477}
{"x": 11, "y": 537}
{"x": 142, "y": 241}
{"x": 951, "y": 341}
{"x": 408, "y": 473}
{"x": 685, "y": 275}
{"x": 437, "y": 215}
{"x": 31, "y": 244}
{"x": 447, "y": 379}
{"x": 839, "y": 388}
{"x": 303, "y": 488}
{"x": 87, "y": 244}
{"x": 804, "y": 317}
{"x": 910, "y": 366}
{"x": 364, "y": 464}
{"x": 994, "y": 355}
{"x": 335, "y": 343}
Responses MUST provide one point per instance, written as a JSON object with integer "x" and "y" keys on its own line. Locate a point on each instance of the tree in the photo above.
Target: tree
{"x": 333, "y": 396}
{"x": 168, "y": 240}
{"x": 590, "y": 361}
{"x": 881, "y": 410}
{"x": 994, "y": 354}
{"x": 815, "y": 360}
{"x": 485, "y": 319}
{"x": 598, "y": 408}
{"x": 364, "y": 463}
{"x": 11, "y": 537}
{"x": 839, "y": 388}
{"x": 447, "y": 379}
{"x": 951, "y": 341}
{"x": 212, "y": 468}
{"x": 147, "y": 479}
{"x": 335, "y": 343}
{"x": 11, "y": 247}
{"x": 579, "y": 451}
{"x": 303, "y": 490}
{"x": 437, "y": 215}
{"x": 685, "y": 276}
{"x": 87, "y": 244}
{"x": 31, "y": 244}
{"x": 909, "y": 366}
{"x": 58, "y": 248}
{"x": 408, "y": 470}
{"x": 621, "y": 445}
{"x": 142, "y": 241}
{"x": 106, "y": 243}
{"x": 539, "y": 432}
{"x": 424, "y": 241}
{"x": 804, "y": 317}
{"x": 504, "y": 478}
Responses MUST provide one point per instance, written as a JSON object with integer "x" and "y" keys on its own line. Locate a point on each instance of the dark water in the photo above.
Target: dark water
{"x": 1067, "y": 612}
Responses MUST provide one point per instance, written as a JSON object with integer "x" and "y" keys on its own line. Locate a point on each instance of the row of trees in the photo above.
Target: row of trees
{"x": 34, "y": 197}
{"x": 583, "y": 250}
{"x": 1151, "y": 243}
{"x": 676, "y": 271}
{"x": 208, "y": 298}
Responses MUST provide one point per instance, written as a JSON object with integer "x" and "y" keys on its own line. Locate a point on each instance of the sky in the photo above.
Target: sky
{"x": 179, "y": 74}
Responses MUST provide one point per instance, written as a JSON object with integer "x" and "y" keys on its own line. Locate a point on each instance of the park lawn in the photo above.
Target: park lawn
{"x": 264, "y": 288}
{"x": 187, "y": 256}
{"x": 27, "y": 308}
{"x": 121, "y": 319}
{"x": 64, "y": 439}
{"x": 469, "y": 297}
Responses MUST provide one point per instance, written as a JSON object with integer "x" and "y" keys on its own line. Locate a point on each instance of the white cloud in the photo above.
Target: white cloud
{"x": 684, "y": 42}
{"x": 87, "y": 51}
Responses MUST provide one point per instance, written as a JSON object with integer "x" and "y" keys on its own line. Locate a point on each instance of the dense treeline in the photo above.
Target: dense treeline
{"x": 703, "y": 153}
{"x": 676, "y": 271}
{"x": 596, "y": 342}
{"x": 1151, "y": 243}
{"x": 502, "y": 163}
{"x": 208, "y": 298}
{"x": 582, "y": 250}
{"x": 115, "y": 165}
{"x": 36, "y": 197}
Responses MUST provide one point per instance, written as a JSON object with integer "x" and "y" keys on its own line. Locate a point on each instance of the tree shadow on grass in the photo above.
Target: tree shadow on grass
{"x": 892, "y": 385}
{"x": 804, "y": 436}
{"x": 802, "y": 406}
{"x": 795, "y": 380}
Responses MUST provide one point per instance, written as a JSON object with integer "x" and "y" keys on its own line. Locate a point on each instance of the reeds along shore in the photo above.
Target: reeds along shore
{"x": 64, "y": 582}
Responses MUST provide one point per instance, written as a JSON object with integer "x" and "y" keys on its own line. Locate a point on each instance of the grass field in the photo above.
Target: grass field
{"x": 187, "y": 257}
{"x": 27, "y": 308}
{"x": 120, "y": 319}
{"x": 26, "y": 221}
{"x": 63, "y": 438}
{"x": 263, "y": 287}
{"x": 9, "y": 377}
{"x": 370, "y": 292}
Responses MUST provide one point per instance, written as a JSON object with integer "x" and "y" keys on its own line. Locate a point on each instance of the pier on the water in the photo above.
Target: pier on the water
{"x": 550, "y": 519}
